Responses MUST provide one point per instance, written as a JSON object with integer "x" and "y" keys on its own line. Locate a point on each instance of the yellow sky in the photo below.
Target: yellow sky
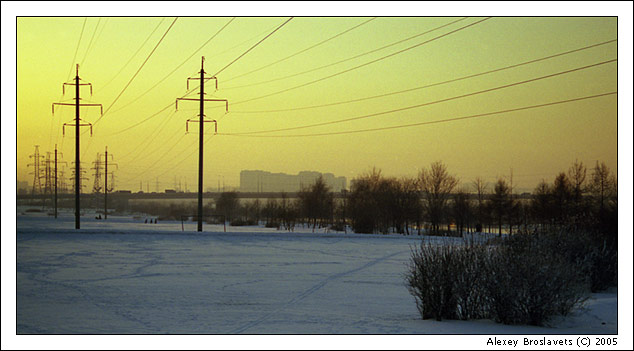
{"x": 265, "y": 94}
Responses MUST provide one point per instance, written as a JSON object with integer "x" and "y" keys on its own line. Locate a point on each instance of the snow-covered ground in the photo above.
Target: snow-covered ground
{"x": 123, "y": 276}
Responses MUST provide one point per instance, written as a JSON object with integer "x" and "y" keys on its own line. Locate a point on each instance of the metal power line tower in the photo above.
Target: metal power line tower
{"x": 201, "y": 121}
{"x": 96, "y": 188}
{"x": 74, "y": 177}
{"x": 48, "y": 174}
{"x": 107, "y": 189}
{"x": 37, "y": 173}
{"x": 77, "y": 124}
{"x": 64, "y": 186}
{"x": 62, "y": 181}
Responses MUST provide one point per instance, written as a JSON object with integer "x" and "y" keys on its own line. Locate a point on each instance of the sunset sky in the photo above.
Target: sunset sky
{"x": 328, "y": 94}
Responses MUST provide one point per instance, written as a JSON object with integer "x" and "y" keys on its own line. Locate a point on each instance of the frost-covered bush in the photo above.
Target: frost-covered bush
{"x": 446, "y": 280}
{"x": 525, "y": 279}
{"x": 528, "y": 281}
{"x": 591, "y": 250}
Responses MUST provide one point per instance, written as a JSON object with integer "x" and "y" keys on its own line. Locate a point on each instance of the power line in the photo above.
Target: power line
{"x": 135, "y": 53}
{"x": 72, "y": 65}
{"x": 435, "y": 101}
{"x": 140, "y": 122}
{"x": 164, "y": 143}
{"x": 194, "y": 89}
{"x": 139, "y": 70}
{"x": 403, "y": 91}
{"x": 177, "y": 67}
{"x": 149, "y": 138}
{"x": 90, "y": 42}
{"x": 184, "y": 158}
{"x": 431, "y": 85}
{"x": 161, "y": 159}
{"x": 70, "y": 72}
{"x": 362, "y": 65}
{"x": 428, "y": 122}
{"x": 268, "y": 30}
{"x": 145, "y": 169}
{"x": 301, "y": 51}
{"x": 350, "y": 58}
{"x": 252, "y": 47}
{"x": 438, "y": 37}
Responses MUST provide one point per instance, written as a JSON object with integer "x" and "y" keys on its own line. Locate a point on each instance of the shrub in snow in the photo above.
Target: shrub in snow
{"x": 589, "y": 250}
{"x": 525, "y": 279}
{"x": 446, "y": 280}
{"x": 528, "y": 281}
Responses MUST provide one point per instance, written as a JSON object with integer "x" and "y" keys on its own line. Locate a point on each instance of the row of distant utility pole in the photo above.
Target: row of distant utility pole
{"x": 49, "y": 174}
{"x": 54, "y": 181}
{"x": 77, "y": 124}
{"x": 45, "y": 169}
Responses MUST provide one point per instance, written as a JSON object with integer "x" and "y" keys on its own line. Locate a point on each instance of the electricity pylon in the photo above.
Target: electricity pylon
{"x": 201, "y": 123}
{"x": 107, "y": 189}
{"x": 62, "y": 181}
{"x": 77, "y": 124}
{"x": 64, "y": 186}
{"x": 37, "y": 173}
{"x": 48, "y": 174}
{"x": 81, "y": 177}
{"x": 96, "y": 188}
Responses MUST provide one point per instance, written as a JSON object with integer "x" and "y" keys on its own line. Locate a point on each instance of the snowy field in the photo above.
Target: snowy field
{"x": 123, "y": 276}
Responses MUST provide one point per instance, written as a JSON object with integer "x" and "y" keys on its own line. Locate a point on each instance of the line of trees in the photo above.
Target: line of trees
{"x": 314, "y": 207}
{"x": 435, "y": 203}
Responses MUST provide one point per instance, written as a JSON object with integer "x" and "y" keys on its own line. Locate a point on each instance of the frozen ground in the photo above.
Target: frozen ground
{"x": 122, "y": 276}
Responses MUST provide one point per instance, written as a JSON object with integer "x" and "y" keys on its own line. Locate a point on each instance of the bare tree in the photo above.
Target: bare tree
{"x": 577, "y": 178}
{"x": 602, "y": 185}
{"x": 316, "y": 201}
{"x": 436, "y": 185}
{"x": 500, "y": 203}
{"x": 541, "y": 203}
{"x": 409, "y": 203}
{"x": 227, "y": 204}
{"x": 480, "y": 187}
{"x": 288, "y": 212}
{"x": 270, "y": 213}
{"x": 462, "y": 210}
{"x": 561, "y": 196}
{"x": 363, "y": 207}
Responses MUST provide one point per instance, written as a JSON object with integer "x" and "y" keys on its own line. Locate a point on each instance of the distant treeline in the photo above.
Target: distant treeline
{"x": 434, "y": 203}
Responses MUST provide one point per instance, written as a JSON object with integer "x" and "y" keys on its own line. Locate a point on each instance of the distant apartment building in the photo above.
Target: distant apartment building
{"x": 261, "y": 181}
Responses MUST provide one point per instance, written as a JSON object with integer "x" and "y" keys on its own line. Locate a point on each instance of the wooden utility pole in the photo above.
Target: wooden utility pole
{"x": 77, "y": 124}
{"x": 105, "y": 189}
{"x": 77, "y": 164}
{"x": 201, "y": 122}
{"x": 55, "y": 197}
